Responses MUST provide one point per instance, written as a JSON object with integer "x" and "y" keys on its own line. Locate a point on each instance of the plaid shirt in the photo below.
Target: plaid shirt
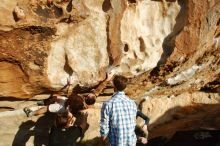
{"x": 118, "y": 120}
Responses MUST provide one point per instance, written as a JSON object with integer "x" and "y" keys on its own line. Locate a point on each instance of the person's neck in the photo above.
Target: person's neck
{"x": 116, "y": 91}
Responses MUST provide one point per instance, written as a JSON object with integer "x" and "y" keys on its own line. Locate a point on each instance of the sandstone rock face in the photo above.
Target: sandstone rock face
{"x": 179, "y": 113}
{"x": 144, "y": 27}
{"x": 169, "y": 49}
{"x": 56, "y": 40}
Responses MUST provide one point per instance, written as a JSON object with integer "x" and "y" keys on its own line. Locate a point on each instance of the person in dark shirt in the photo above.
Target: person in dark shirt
{"x": 144, "y": 117}
{"x": 64, "y": 132}
{"x": 142, "y": 132}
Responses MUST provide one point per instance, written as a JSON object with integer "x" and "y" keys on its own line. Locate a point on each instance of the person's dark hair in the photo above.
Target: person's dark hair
{"x": 61, "y": 120}
{"x": 120, "y": 82}
{"x": 90, "y": 100}
{"x": 76, "y": 103}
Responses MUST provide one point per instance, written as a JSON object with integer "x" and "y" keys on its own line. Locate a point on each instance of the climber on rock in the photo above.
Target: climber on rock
{"x": 75, "y": 102}
{"x": 59, "y": 106}
{"x": 54, "y": 104}
{"x": 80, "y": 102}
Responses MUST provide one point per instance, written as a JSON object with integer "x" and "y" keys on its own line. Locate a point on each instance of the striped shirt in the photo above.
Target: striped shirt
{"x": 118, "y": 120}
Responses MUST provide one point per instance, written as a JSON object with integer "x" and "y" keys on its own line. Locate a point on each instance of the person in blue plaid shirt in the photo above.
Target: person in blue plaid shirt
{"x": 118, "y": 117}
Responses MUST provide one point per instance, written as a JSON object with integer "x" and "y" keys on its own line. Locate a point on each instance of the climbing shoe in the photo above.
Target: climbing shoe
{"x": 27, "y": 111}
{"x": 40, "y": 103}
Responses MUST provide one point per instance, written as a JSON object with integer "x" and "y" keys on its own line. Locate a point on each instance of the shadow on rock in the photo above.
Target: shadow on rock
{"x": 23, "y": 134}
{"x": 180, "y": 125}
{"x": 92, "y": 142}
{"x": 39, "y": 130}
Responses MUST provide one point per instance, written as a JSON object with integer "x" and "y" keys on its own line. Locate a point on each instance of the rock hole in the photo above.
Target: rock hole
{"x": 44, "y": 12}
{"x": 66, "y": 20}
{"x": 207, "y": 20}
{"x": 142, "y": 44}
{"x": 211, "y": 87}
{"x": 111, "y": 59}
{"x": 58, "y": 12}
{"x": 168, "y": 4}
{"x": 46, "y": 31}
{"x": 137, "y": 70}
{"x": 135, "y": 55}
{"x": 218, "y": 22}
{"x": 106, "y": 5}
{"x": 218, "y": 35}
{"x": 15, "y": 16}
{"x": 132, "y": 1}
{"x": 146, "y": 55}
{"x": 126, "y": 48}
{"x": 69, "y": 6}
{"x": 67, "y": 67}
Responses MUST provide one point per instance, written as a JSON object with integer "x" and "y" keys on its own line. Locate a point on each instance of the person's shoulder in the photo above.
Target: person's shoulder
{"x": 130, "y": 99}
{"x": 110, "y": 101}
{"x": 106, "y": 105}
{"x": 132, "y": 102}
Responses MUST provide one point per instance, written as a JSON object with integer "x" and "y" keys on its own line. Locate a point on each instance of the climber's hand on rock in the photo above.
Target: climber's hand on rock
{"x": 110, "y": 75}
{"x": 144, "y": 127}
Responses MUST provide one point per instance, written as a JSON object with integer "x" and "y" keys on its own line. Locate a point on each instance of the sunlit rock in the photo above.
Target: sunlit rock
{"x": 169, "y": 49}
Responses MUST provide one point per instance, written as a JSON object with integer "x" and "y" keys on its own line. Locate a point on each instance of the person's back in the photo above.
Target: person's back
{"x": 64, "y": 136}
{"x": 118, "y": 120}
{"x": 64, "y": 132}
